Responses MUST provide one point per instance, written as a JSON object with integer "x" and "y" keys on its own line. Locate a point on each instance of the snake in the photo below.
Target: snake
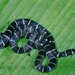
{"x": 38, "y": 38}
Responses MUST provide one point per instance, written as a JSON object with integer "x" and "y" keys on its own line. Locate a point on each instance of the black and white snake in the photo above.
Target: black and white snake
{"x": 38, "y": 38}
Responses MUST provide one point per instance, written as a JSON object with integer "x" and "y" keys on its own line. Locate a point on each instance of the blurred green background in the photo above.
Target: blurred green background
{"x": 58, "y": 16}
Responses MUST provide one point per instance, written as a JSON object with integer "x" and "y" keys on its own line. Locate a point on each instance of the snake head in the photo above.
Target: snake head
{"x": 1, "y": 42}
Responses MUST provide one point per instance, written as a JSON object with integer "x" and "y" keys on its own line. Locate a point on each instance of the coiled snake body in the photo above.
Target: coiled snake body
{"x": 38, "y": 38}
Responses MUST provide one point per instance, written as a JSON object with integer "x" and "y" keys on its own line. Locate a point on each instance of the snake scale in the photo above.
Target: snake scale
{"x": 38, "y": 38}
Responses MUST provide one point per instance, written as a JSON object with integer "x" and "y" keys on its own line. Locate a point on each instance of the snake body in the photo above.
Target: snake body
{"x": 38, "y": 38}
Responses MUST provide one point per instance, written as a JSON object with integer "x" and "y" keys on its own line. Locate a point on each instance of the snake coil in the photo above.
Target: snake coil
{"x": 38, "y": 38}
